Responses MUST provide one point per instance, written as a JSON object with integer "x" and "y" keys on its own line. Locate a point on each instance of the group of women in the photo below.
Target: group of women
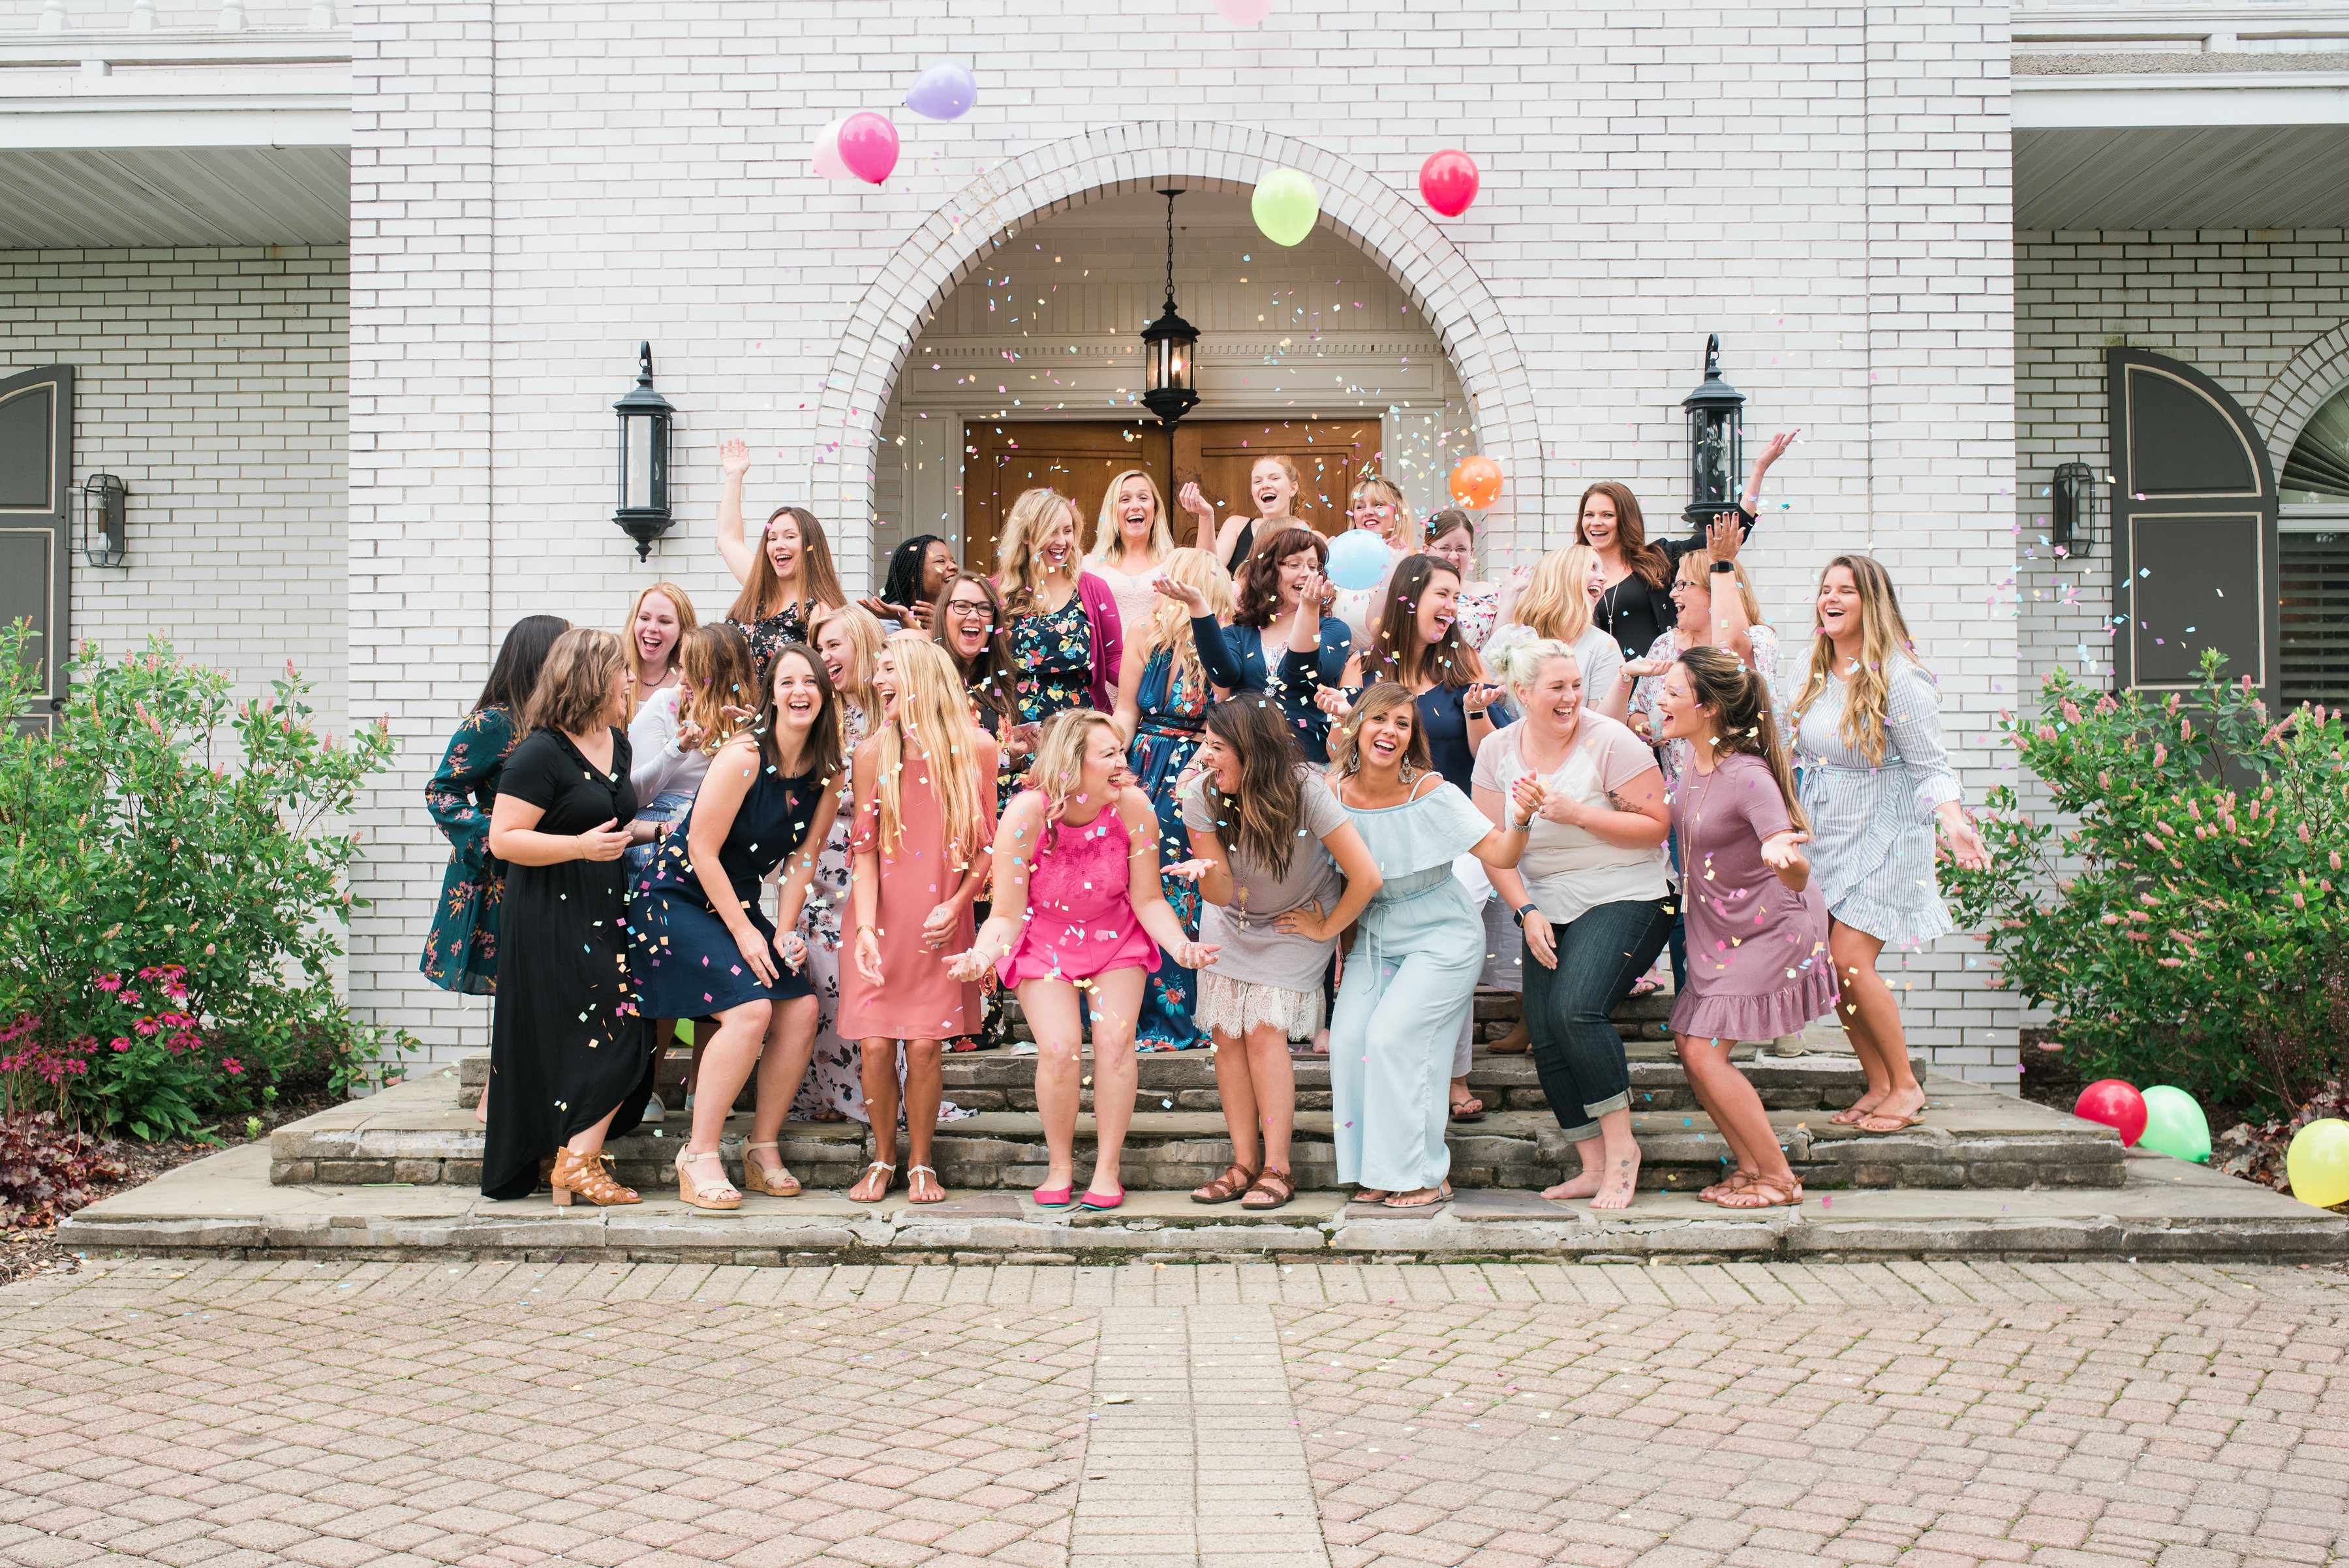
{"x": 1175, "y": 797}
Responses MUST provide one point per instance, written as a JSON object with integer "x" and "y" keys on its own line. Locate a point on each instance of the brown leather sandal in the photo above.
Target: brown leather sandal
{"x": 1274, "y": 1186}
{"x": 1235, "y": 1179}
{"x": 584, "y": 1175}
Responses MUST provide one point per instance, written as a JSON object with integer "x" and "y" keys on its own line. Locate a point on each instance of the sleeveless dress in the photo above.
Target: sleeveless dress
{"x": 1054, "y": 652}
{"x": 1172, "y": 713}
{"x": 687, "y": 965}
{"x": 1080, "y": 921}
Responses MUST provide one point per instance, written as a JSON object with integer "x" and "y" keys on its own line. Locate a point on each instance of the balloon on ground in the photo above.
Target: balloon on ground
{"x": 826, "y": 156}
{"x": 2115, "y": 1103}
{"x": 1476, "y": 482}
{"x": 1358, "y": 558}
{"x": 2318, "y": 1163}
{"x": 2175, "y": 1125}
{"x": 942, "y": 92}
{"x": 868, "y": 145}
{"x": 1285, "y": 205}
{"x": 1243, "y": 12}
{"x": 1448, "y": 182}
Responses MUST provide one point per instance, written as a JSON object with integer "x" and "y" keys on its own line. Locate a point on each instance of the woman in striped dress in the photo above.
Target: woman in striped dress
{"x": 1877, "y": 787}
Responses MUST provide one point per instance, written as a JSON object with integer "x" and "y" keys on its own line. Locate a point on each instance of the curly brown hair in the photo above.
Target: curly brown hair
{"x": 1256, "y": 596}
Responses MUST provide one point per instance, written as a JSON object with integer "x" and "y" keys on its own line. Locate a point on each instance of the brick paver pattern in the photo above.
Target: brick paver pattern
{"x": 346, "y": 1413}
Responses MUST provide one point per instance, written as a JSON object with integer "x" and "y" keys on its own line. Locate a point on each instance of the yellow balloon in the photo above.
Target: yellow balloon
{"x": 2318, "y": 1163}
{"x": 1285, "y": 205}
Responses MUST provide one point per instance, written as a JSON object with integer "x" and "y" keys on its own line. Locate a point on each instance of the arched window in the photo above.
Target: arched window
{"x": 2312, "y": 559}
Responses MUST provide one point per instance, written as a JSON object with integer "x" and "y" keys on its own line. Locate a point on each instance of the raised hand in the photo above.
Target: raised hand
{"x": 606, "y": 842}
{"x": 1484, "y": 694}
{"x": 1191, "y": 499}
{"x": 1645, "y": 667}
{"x": 1333, "y": 701}
{"x": 1723, "y": 535}
{"x": 734, "y": 457}
{"x": 1192, "y": 600}
{"x": 1315, "y": 590}
{"x": 1775, "y": 450}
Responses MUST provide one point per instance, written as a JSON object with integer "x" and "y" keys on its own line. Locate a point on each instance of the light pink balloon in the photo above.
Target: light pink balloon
{"x": 1243, "y": 12}
{"x": 868, "y": 145}
{"x": 826, "y": 156}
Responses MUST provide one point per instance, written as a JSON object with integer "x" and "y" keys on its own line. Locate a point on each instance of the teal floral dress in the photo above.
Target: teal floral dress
{"x": 1053, "y": 650}
{"x": 1172, "y": 711}
{"x": 462, "y": 953}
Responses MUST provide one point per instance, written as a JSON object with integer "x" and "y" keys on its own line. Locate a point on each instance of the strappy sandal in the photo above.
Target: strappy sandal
{"x": 1894, "y": 1120}
{"x": 1736, "y": 1181}
{"x": 1763, "y": 1192}
{"x": 887, "y": 1181}
{"x": 583, "y": 1175}
{"x": 913, "y": 1170}
{"x": 1471, "y": 1109}
{"x": 757, "y": 1179}
{"x": 719, "y": 1194}
{"x": 1235, "y": 1179}
{"x": 1274, "y": 1187}
{"x": 1415, "y": 1205}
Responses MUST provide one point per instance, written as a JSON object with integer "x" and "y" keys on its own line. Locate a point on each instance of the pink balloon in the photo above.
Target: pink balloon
{"x": 1243, "y": 12}
{"x": 826, "y": 156}
{"x": 868, "y": 145}
{"x": 2117, "y": 1104}
{"x": 1448, "y": 180}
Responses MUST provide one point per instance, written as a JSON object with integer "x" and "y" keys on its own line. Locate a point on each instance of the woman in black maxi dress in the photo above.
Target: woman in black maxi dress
{"x": 567, "y": 1049}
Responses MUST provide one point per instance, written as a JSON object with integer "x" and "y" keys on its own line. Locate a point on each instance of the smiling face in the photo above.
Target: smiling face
{"x": 1692, "y": 593}
{"x": 1552, "y": 700}
{"x": 1293, "y": 571}
{"x": 1679, "y": 715}
{"x": 1373, "y": 509}
{"x": 1221, "y": 762}
{"x": 885, "y": 680}
{"x": 1595, "y": 585}
{"x": 1385, "y": 737}
{"x": 616, "y": 710}
{"x": 799, "y": 695}
{"x": 1839, "y": 613}
{"x": 938, "y": 566}
{"x": 1104, "y": 761}
{"x": 1137, "y": 509}
{"x": 1455, "y": 547}
{"x": 970, "y": 621}
{"x": 785, "y": 546}
{"x": 1438, "y": 606}
{"x": 656, "y": 631}
{"x": 833, "y": 646}
{"x": 1599, "y": 523}
{"x": 1274, "y": 491}
{"x": 1056, "y": 548}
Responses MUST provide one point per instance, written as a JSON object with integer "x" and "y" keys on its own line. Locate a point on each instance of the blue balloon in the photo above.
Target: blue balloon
{"x": 1358, "y": 559}
{"x": 944, "y": 92}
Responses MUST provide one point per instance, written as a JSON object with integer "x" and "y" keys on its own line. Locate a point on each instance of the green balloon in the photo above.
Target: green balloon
{"x": 2175, "y": 1125}
{"x": 1285, "y": 205}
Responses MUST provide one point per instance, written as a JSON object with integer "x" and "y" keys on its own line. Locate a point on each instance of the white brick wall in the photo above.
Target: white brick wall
{"x": 212, "y": 382}
{"x": 1827, "y": 188}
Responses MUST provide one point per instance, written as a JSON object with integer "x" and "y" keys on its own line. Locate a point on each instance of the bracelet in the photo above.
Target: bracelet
{"x": 1724, "y": 565}
{"x": 1472, "y": 713}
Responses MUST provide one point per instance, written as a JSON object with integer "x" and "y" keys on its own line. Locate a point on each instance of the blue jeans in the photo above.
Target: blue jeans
{"x": 667, "y": 806}
{"x": 1577, "y": 1052}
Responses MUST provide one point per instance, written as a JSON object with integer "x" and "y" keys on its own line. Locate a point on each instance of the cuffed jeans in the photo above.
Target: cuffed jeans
{"x": 1576, "y": 1049}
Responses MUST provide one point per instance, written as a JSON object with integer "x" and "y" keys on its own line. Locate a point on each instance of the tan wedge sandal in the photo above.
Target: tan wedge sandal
{"x": 719, "y": 1196}
{"x": 759, "y": 1182}
{"x": 584, "y": 1175}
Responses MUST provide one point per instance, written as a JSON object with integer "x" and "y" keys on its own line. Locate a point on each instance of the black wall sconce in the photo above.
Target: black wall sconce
{"x": 644, "y": 513}
{"x": 1716, "y": 441}
{"x": 2072, "y": 519}
{"x": 104, "y": 502}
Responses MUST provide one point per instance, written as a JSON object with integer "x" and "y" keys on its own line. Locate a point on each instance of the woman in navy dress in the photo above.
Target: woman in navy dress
{"x": 707, "y": 949}
{"x": 1279, "y": 640}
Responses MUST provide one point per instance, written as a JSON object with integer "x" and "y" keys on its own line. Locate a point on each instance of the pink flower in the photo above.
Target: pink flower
{"x": 120, "y": 1043}
{"x": 148, "y": 1026}
{"x": 109, "y": 982}
{"x": 232, "y": 1064}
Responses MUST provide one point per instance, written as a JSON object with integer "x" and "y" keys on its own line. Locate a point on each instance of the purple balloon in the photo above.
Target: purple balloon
{"x": 942, "y": 92}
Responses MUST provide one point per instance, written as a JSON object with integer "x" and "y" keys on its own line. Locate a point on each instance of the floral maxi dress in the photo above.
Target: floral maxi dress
{"x": 1173, "y": 711}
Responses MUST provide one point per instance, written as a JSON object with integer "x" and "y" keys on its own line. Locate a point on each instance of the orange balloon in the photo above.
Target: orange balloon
{"x": 1476, "y": 482}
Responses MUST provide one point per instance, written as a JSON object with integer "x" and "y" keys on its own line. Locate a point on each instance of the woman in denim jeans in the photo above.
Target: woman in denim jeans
{"x": 1590, "y": 895}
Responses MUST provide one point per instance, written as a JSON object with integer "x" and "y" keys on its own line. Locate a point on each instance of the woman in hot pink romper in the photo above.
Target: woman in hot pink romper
{"x": 1078, "y": 906}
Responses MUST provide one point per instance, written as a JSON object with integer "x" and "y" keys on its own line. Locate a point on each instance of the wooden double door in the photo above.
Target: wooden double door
{"x": 1002, "y": 458}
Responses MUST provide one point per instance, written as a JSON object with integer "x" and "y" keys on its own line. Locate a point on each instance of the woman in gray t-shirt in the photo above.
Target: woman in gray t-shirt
{"x": 1285, "y": 873}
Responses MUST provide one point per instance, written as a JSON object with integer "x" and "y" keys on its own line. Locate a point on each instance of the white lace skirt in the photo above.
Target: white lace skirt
{"x": 1233, "y": 1007}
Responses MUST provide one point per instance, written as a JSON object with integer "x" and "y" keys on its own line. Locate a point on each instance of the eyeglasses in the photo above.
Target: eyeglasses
{"x": 960, "y": 608}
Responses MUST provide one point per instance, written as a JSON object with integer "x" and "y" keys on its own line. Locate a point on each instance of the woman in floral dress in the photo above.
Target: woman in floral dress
{"x": 787, "y": 575}
{"x": 1066, "y": 638}
{"x": 848, "y": 641}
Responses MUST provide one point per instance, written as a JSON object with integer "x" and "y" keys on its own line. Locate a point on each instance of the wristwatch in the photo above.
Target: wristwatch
{"x": 1724, "y": 565}
{"x": 1521, "y": 912}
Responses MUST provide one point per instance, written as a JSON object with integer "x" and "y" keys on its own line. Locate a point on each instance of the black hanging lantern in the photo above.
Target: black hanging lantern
{"x": 645, "y": 414}
{"x": 1716, "y": 441}
{"x": 104, "y": 501}
{"x": 2073, "y": 517}
{"x": 1169, "y": 344}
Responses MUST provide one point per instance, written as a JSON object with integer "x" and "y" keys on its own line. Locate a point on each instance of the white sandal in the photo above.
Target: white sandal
{"x": 911, "y": 1171}
{"x": 719, "y": 1195}
{"x": 756, "y": 1181}
{"x": 876, "y": 1165}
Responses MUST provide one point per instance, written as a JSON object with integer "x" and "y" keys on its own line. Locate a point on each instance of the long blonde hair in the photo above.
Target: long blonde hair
{"x": 931, "y": 717}
{"x": 1109, "y": 539}
{"x": 1557, "y": 602}
{"x": 1033, "y": 516}
{"x": 1169, "y": 625}
{"x": 634, "y": 656}
{"x": 717, "y": 672}
{"x": 865, "y": 635}
{"x": 1059, "y": 767}
{"x": 1883, "y": 637}
{"x": 762, "y": 591}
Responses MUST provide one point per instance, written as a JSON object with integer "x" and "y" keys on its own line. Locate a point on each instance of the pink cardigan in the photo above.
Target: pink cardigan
{"x": 1108, "y": 633}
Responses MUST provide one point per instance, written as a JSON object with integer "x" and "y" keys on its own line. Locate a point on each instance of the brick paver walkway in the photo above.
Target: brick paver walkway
{"x": 2064, "y": 1415}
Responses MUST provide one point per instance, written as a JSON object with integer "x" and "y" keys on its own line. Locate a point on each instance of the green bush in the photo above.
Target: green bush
{"x": 173, "y": 891}
{"x": 2188, "y": 927}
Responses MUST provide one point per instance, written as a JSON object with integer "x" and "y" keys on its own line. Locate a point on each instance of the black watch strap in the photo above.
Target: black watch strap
{"x": 1521, "y": 912}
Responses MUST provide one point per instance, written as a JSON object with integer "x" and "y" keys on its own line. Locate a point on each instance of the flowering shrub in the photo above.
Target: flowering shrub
{"x": 172, "y": 891}
{"x": 2188, "y": 927}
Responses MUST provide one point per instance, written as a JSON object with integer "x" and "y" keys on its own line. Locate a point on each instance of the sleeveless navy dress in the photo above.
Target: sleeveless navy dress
{"x": 687, "y": 964}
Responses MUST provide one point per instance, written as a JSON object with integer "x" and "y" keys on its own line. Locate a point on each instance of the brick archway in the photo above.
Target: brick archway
{"x": 2298, "y": 390}
{"x": 956, "y": 239}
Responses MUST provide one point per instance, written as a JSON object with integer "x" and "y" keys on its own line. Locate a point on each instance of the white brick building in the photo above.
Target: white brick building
{"x": 375, "y": 459}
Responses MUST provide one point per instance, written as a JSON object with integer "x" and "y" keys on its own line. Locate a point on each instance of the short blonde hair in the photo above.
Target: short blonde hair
{"x": 1556, "y": 602}
{"x": 1060, "y": 763}
{"x": 1521, "y": 663}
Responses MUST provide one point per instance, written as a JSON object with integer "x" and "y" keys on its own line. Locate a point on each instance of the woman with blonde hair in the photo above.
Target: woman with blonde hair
{"x": 1164, "y": 693}
{"x": 1274, "y": 484}
{"x": 1879, "y": 789}
{"x": 1636, "y": 607}
{"x": 1067, "y": 636}
{"x": 1376, "y": 503}
{"x": 1131, "y": 540}
{"x": 1556, "y": 598}
{"x": 923, "y": 845}
{"x": 674, "y": 736}
{"x": 657, "y": 621}
{"x": 786, "y": 577}
{"x": 570, "y": 1060}
{"x": 1079, "y": 903}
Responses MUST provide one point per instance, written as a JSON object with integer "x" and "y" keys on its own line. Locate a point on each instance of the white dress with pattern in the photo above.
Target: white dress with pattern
{"x": 1871, "y": 845}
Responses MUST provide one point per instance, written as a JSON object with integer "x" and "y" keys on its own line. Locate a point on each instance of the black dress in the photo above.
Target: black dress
{"x": 1635, "y": 612}
{"x": 566, "y": 1043}
{"x": 687, "y": 963}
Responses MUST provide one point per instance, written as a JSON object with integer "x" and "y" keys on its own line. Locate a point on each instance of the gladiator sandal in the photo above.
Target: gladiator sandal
{"x": 584, "y": 1175}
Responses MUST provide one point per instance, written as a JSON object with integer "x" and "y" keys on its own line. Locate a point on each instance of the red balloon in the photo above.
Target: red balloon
{"x": 2115, "y": 1105}
{"x": 1476, "y": 482}
{"x": 868, "y": 145}
{"x": 1448, "y": 180}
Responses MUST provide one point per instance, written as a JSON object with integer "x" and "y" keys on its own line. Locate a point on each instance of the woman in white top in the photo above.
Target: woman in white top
{"x": 662, "y": 615}
{"x": 1131, "y": 540}
{"x": 1591, "y": 896}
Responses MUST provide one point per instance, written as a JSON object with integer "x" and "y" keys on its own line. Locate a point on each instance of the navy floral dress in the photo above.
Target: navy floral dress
{"x": 1171, "y": 713}
{"x": 1054, "y": 652}
{"x": 462, "y": 953}
{"x": 767, "y": 636}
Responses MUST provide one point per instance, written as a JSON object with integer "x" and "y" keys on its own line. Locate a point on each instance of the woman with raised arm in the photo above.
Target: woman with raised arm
{"x": 786, "y": 575}
{"x": 1590, "y": 898}
{"x": 1131, "y": 541}
{"x": 1066, "y": 638}
{"x": 1556, "y": 598}
{"x": 1285, "y": 873}
{"x": 1410, "y": 974}
{"x": 1163, "y": 695}
{"x": 1280, "y": 641}
{"x": 1759, "y": 928}
{"x": 705, "y": 948}
{"x": 570, "y": 1059}
{"x": 924, "y": 831}
{"x": 1078, "y": 902}
{"x": 1637, "y": 607}
{"x": 1274, "y": 484}
{"x": 919, "y": 571}
{"x": 1879, "y": 789}
{"x": 848, "y": 641}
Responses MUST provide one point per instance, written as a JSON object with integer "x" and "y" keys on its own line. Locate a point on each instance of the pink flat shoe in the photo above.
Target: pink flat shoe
{"x": 1051, "y": 1196}
{"x": 1095, "y": 1200}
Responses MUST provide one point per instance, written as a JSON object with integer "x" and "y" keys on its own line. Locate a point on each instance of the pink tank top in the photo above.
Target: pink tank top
{"x": 1081, "y": 921}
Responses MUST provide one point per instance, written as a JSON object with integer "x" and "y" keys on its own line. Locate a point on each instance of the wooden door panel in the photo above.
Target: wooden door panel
{"x": 35, "y": 515}
{"x": 1329, "y": 455}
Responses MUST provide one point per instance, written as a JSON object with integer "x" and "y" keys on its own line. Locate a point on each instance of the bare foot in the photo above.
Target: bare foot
{"x": 1622, "y": 1182}
{"x": 1584, "y": 1186}
{"x": 828, "y": 1114}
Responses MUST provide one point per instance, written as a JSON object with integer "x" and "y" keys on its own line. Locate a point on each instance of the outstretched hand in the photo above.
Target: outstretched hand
{"x": 1783, "y": 852}
{"x": 1191, "y": 598}
{"x": 968, "y": 967}
{"x": 1191, "y": 499}
{"x": 734, "y": 457}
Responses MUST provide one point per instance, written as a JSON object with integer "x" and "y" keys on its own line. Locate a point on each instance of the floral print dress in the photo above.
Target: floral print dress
{"x": 835, "y": 1084}
{"x": 1172, "y": 711}
{"x": 1054, "y": 652}
{"x": 768, "y": 635}
{"x": 462, "y": 953}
